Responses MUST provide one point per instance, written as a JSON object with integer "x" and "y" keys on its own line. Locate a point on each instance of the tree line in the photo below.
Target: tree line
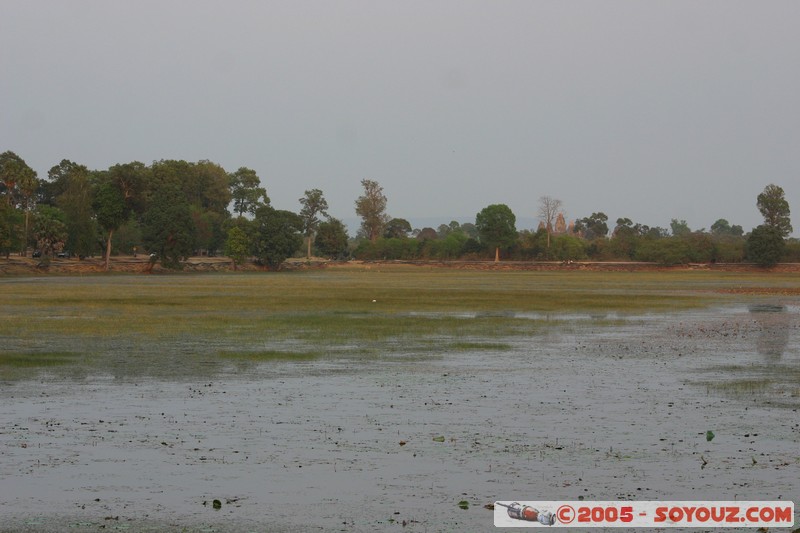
{"x": 172, "y": 209}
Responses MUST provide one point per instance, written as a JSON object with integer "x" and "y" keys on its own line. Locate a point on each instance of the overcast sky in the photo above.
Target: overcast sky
{"x": 650, "y": 110}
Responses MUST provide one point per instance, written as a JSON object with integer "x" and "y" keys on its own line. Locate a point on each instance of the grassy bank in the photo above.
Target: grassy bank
{"x": 344, "y": 312}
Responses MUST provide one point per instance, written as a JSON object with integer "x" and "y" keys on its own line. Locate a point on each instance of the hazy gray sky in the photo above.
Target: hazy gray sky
{"x": 649, "y": 110}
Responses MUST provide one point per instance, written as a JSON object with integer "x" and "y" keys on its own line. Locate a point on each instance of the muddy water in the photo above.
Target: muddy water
{"x": 584, "y": 411}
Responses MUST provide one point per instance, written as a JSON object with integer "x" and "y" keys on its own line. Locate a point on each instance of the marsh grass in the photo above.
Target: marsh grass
{"x": 36, "y": 359}
{"x": 743, "y": 386}
{"x": 336, "y": 312}
{"x": 480, "y": 346}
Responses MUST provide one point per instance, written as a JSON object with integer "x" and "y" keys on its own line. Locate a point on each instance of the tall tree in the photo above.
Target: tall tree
{"x": 497, "y": 227}
{"x": 167, "y": 226}
{"x": 314, "y": 204}
{"x": 19, "y": 185}
{"x": 246, "y": 191}
{"x": 110, "y": 209}
{"x": 549, "y": 209}
{"x": 210, "y": 206}
{"x": 10, "y": 222}
{"x": 135, "y": 181}
{"x": 121, "y": 191}
{"x": 371, "y": 207}
{"x": 208, "y": 187}
{"x": 775, "y": 209}
{"x": 58, "y": 178}
{"x": 74, "y": 198}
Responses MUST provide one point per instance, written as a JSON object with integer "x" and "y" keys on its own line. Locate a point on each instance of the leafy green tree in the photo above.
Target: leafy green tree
{"x": 331, "y": 239}
{"x": 668, "y": 251}
{"x": 167, "y": 226}
{"x": 19, "y": 186}
{"x": 207, "y": 187}
{"x": 75, "y": 200}
{"x": 238, "y": 245}
{"x": 775, "y": 209}
{"x": 397, "y": 228}
{"x": 625, "y": 239}
{"x": 371, "y": 207}
{"x": 469, "y": 229}
{"x": 120, "y": 193}
{"x": 135, "y": 182}
{"x": 49, "y": 229}
{"x": 128, "y": 238}
{"x": 791, "y": 253}
{"x": 496, "y": 225}
{"x": 246, "y": 191}
{"x": 10, "y": 168}
{"x": 450, "y": 246}
{"x": 58, "y": 178}
{"x": 383, "y": 248}
{"x": 427, "y": 234}
{"x": 723, "y": 227}
{"x": 593, "y": 226}
{"x": 655, "y": 232}
{"x": 765, "y": 245}
{"x": 204, "y": 225}
{"x": 446, "y": 229}
{"x": 624, "y": 228}
{"x": 314, "y": 204}
{"x": 278, "y": 235}
{"x": 533, "y": 244}
{"x": 679, "y": 227}
{"x": 567, "y": 248}
{"x": 10, "y": 224}
{"x": 171, "y": 173}
{"x": 111, "y": 211}
{"x": 688, "y": 248}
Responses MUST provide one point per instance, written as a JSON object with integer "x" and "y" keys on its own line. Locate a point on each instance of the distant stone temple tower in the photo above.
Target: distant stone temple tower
{"x": 561, "y": 224}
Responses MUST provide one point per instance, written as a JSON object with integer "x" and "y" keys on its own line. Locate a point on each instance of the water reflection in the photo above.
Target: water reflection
{"x": 773, "y": 336}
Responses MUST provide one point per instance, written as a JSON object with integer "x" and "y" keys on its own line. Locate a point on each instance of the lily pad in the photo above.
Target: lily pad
{"x": 463, "y": 504}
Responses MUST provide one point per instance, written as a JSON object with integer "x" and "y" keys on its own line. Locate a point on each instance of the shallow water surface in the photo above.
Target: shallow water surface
{"x": 580, "y": 410}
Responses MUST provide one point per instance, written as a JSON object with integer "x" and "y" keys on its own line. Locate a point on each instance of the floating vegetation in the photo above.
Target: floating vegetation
{"x": 480, "y": 346}
{"x": 271, "y": 355}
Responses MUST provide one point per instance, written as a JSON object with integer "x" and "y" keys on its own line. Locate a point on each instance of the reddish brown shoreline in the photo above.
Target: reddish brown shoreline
{"x": 30, "y": 266}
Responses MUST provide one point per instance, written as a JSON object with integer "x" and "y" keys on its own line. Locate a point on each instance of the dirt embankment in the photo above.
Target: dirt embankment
{"x": 16, "y": 265}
